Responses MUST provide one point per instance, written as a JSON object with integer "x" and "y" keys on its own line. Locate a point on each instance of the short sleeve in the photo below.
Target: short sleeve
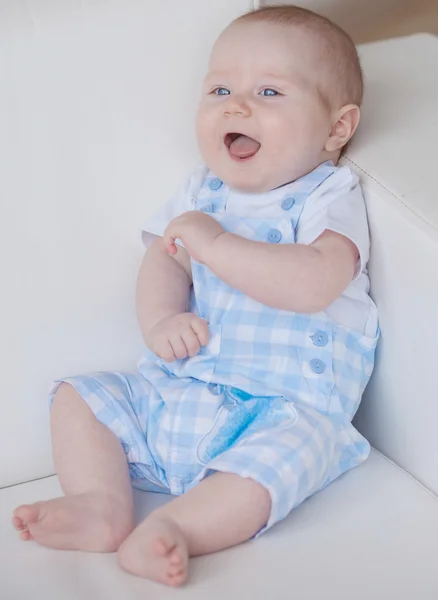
{"x": 178, "y": 204}
{"x": 337, "y": 205}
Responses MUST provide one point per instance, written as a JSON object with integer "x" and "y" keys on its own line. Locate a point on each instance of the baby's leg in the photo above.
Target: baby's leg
{"x": 96, "y": 513}
{"x": 222, "y": 511}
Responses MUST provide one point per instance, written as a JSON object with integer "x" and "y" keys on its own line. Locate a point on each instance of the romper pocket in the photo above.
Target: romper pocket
{"x": 315, "y": 354}
{"x": 353, "y": 365}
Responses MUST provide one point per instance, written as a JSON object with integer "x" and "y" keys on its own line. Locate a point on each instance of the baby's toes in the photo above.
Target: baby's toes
{"x": 177, "y": 569}
{"x": 177, "y": 579}
{"x": 28, "y": 513}
{"x": 160, "y": 548}
{"x": 25, "y": 535}
{"x": 175, "y": 558}
{"x": 18, "y": 523}
{"x": 173, "y": 570}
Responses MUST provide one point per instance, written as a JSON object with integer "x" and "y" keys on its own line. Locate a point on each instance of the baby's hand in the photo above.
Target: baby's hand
{"x": 197, "y": 231}
{"x": 178, "y": 336}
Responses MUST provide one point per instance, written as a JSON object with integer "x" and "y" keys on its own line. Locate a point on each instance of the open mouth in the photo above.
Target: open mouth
{"x": 240, "y": 146}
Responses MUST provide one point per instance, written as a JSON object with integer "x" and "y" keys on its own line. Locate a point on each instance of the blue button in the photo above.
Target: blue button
{"x": 287, "y": 203}
{"x": 215, "y": 184}
{"x": 214, "y": 389}
{"x": 317, "y": 366}
{"x": 320, "y": 338}
{"x": 274, "y": 236}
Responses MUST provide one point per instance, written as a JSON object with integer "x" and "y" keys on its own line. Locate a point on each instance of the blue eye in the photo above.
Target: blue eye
{"x": 269, "y": 92}
{"x": 221, "y": 92}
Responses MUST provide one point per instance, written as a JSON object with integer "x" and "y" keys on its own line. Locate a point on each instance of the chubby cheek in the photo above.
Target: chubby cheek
{"x": 299, "y": 137}
{"x": 205, "y": 132}
{"x": 201, "y": 133}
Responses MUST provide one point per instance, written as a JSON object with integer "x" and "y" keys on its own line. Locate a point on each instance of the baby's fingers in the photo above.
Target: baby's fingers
{"x": 169, "y": 238}
{"x": 178, "y": 346}
{"x": 165, "y": 351}
{"x": 170, "y": 246}
{"x": 200, "y": 327}
{"x": 191, "y": 341}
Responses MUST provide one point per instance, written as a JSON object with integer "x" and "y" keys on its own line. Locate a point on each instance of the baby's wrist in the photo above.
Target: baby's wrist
{"x": 154, "y": 326}
{"x": 215, "y": 248}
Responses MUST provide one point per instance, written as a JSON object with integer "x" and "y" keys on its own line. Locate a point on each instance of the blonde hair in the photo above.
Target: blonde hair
{"x": 342, "y": 80}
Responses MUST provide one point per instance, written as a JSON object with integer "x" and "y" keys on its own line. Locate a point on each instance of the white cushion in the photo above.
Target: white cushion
{"x": 395, "y": 155}
{"x": 372, "y": 535}
{"x": 97, "y": 108}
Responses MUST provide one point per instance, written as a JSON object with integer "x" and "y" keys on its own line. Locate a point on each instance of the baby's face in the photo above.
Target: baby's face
{"x": 261, "y": 122}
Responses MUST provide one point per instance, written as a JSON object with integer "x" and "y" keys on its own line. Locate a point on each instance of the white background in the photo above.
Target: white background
{"x": 97, "y": 102}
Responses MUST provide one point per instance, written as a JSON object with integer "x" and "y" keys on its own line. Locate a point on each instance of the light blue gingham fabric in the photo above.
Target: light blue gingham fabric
{"x": 271, "y": 397}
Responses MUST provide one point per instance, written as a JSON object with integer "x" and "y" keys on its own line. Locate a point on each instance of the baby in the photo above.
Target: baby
{"x": 253, "y": 302}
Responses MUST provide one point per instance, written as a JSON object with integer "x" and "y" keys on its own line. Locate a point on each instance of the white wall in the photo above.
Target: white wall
{"x": 368, "y": 20}
{"x": 97, "y": 100}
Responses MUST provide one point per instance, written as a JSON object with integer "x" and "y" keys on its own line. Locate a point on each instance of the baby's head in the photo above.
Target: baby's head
{"x": 282, "y": 96}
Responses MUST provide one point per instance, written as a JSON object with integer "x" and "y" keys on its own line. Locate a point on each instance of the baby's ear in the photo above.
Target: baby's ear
{"x": 345, "y": 123}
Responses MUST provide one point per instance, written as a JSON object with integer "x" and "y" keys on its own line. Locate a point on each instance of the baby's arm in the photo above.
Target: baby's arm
{"x": 292, "y": 277}
{"x": 295, "y": 277}
{"x": 162, "y": 298}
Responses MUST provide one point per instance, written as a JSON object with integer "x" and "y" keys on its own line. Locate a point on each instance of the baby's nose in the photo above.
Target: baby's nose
{"x": 237, "y": 105}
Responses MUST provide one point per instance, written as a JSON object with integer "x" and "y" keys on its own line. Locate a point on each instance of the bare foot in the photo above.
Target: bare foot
{"x": 156, "y": 550}
{"x": 88, "y": 522}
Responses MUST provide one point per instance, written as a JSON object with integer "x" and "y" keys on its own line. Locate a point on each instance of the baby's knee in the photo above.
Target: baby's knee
{"x": 65, "y": 394}
{"x": 64, "y": 390}
{"x": 262, "y": 502}
{"x": 256, "y": 498}
{"x": 67, "y": 404}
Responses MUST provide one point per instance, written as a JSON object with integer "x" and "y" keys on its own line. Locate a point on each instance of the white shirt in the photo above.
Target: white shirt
{"x": 337, "y": 205}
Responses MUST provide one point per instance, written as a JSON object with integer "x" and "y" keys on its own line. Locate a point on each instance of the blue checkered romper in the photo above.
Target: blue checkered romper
{"x": 271, "y": 397}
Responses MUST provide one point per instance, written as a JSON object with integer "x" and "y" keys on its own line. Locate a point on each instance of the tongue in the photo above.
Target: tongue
{"x": 244, "y": 147}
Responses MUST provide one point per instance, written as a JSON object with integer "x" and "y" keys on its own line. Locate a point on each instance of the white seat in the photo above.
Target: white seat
{"x": 371, "y": 535}
{"x": 96, "y": 135}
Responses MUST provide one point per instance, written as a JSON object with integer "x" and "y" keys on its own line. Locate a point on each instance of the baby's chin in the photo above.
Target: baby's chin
{"x": 253, "y": 176}
{"x": 251, "y": 184}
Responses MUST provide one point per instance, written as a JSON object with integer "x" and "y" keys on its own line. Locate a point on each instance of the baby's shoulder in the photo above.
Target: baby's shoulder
{"x": 342, "y": 180}
{"x": 196, "y": 180}
{"x": 337, "y": 192}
